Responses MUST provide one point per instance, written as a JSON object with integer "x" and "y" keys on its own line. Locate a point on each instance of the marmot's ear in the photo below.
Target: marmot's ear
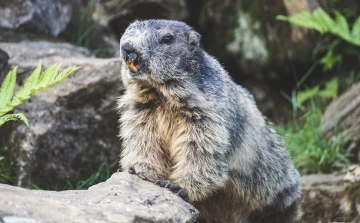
{"x": 193, "y": 40}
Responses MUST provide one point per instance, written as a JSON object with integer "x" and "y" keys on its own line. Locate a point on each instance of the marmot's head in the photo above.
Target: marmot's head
{"x": 159, "y": 51}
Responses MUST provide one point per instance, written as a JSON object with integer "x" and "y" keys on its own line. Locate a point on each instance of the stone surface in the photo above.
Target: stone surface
{"x": 123, "y": 198}
{"x": 327, "y": 199}
{"x": 119, "y": 13}
{"x": 50, "y": 16}
{"x": 69, "y": 19}
{"x": 3, "y": 64}
{"x": 342, "y": 117}
{"x": 353, "y": 174}
{"x": 73, "y": 123}
{"x": 127, "y": 198}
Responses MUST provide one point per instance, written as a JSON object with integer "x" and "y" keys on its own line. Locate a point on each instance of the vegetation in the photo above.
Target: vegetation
{"x": 36, "y": 82}
{"x": 5, "y": 170}
{"x": 320, "y": 21}
{"x": 311, "y": 151}
{"x": 102, "y": 174}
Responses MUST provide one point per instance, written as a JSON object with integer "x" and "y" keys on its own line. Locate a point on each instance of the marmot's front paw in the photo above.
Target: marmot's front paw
{"x": 142, "y": 175}
{"x": 174, "y": 187}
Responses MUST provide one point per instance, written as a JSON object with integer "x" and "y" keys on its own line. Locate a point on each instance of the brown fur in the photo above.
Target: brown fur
{"x": 184, "y": 120}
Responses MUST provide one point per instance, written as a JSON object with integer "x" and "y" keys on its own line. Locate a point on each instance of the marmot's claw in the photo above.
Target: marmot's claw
{"x": 161, "y": 183}
{"x": 132, "y": 170}
{"x": 183, "y": 193}
{"x": 142, "y": 175}
{"x": 174, "y": 187}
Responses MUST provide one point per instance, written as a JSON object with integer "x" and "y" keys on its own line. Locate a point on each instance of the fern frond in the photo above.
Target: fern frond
{"x": 331, "y": 58}
{"x": 341, "y": 23}
{"x": 355, "y": 32}
{"x": 47, "y": 77}
{"x": 65, "y": 73}
{"x": 7, "y": 90}
{"x": 24, "y": 92}
{"x": 14, "y": 117}
{"x": 303, "y": 96}
{"x": 323, "y": 23}
{"x": 303, "y": 19}
{"x": 37, "y": 81}
{"x": 330, "y": 90}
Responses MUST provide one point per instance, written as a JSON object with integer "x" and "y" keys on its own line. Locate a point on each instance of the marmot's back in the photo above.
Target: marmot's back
{"x": 187, "y": 126}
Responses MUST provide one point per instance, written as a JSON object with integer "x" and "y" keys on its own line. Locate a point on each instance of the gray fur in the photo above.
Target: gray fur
{"x": 184, "y": 120}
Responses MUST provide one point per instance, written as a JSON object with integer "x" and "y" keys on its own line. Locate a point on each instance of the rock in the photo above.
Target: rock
{"x": 127, "y": 198}
{"x": 122, "y": 198}
{"x": 327, "y": 199}
{"x": 71, "y": 20}
{"x": 256, "y": 48}
{"x": 50, "y": 16}
{"x": 3, "y": 65}
{"x": 250, "y": 39}
{"x": 74, "y": 124}
{"x": 353, "y": 174}
{"x": 120, "y": 13}
{"x": 342, "y": 117}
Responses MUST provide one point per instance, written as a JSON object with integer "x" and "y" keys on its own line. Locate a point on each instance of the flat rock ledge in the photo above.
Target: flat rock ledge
{"x": 127, "y": 198}
{"x": 122, "y": 198}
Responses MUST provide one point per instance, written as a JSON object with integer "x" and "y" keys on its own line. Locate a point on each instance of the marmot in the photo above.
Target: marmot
{"x": 187, "y": 126}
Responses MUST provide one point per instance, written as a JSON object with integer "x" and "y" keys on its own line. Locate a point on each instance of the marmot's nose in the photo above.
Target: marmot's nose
{"x": 129, "y": 52}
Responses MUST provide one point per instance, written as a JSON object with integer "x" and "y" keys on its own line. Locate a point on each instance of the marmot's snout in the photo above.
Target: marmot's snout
{"x": 131, "y": 56}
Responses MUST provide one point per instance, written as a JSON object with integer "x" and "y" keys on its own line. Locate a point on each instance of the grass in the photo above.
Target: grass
{"x": 103, "y": 173}
{"x": 5, "y": 171}
{"x": 310, "y": 150}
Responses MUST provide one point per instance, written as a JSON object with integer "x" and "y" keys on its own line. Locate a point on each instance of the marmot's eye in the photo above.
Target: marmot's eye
{"x": 167, "y": 39}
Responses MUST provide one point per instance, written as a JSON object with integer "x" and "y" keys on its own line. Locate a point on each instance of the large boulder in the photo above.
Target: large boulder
{"x": 127, "y": 198}
{"x": 342, "y": 118}
{"x": 41, "y": 16}
{"x": 68, "y": 19}
{"x": 3, "y": 64}
{"x": 74, "y": 123}
{"x": 123, "y": 198}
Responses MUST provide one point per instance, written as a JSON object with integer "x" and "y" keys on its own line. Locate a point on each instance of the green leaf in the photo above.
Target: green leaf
{"x": 65, "y": 73}
{"x": 32, "y": 85}
{"x": 24, "y": 92}
{"x": 341, "y": 23}
{"x": 330, "y": 90}
{"x": 323, "y": 23}
{"x": 323, "y": 19}
{"x": 7, "y": 90}
{"x": 39, "y": 81}
{"x": 14, "y": 117}
{"x": 355, "y": 32}
{"x": 303, "y": 19}
{"x": 47, "y": 77}
{"x": 303, "y": 96}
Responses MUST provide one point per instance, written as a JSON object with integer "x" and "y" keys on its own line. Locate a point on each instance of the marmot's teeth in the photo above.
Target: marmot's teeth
{"x": 131, "y": 66}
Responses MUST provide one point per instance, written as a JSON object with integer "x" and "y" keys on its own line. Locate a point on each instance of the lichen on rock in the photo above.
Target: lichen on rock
{"x": 247, "y": 38}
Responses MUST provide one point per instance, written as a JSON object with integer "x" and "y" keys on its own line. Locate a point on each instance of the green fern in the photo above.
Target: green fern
{"x": 323, "y": 23}
{"x": 36, "y": 82}
{"x": 320, "y": 21}
{"x": 330, "y": 91}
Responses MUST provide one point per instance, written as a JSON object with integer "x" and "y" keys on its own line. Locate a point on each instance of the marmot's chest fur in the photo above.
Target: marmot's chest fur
{"x": 187, "y": 126}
